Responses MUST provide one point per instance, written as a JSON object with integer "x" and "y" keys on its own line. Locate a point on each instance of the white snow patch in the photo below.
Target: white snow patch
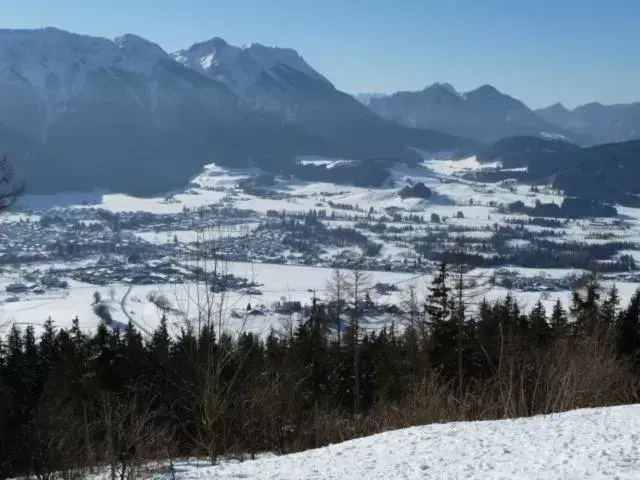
{"x": 600, "y": 443}
{"x": 553, "y": 136}
{"x": 452, "y": 167}
{"x": 243, "y": 68}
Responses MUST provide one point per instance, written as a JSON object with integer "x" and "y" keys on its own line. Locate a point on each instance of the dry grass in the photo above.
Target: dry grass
{"x": 571, "y": 375}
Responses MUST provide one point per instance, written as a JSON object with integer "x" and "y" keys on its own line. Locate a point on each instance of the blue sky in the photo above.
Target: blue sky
{"x": 539, "y": 51}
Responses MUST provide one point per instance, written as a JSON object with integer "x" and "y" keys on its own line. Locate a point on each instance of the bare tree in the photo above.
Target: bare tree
{"x": 337, "y": 287}
{"x": 358, "y": 287}
{"x": 10, "y": 190}
{"x": 207, "y": 295}
{"x": 212, "y": 393}
{"x": 133, "y": 431}
{"x": 468, "y": 289}
{"x": 410, "y": 305}
{"x": 54, "y": 435}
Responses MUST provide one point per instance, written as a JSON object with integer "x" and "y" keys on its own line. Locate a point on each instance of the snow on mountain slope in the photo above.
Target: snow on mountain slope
{"x": 365, "y": 98}
{"x": 92, "y": 111}
{"x": 248, "y": 70}
{"x": 51, "y": 56}
{"x": 553, "y": 136}
{"x": 599, "y": 443}
{"x": 43, "y": 71}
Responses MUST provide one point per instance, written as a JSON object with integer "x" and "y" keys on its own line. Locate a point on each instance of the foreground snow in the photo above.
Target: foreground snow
{"x": 584, "y": 444}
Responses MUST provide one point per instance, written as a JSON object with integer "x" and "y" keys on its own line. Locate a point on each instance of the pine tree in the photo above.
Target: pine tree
{"x": 539, "y": 324}
{"x": 48, "y": 349}
{"x": 134, "y": 357}
{"x": 629, "y": 329}
{"x": 31, "y": 367}
{"x": 442, "y": 331}
{"x": 609, "y": 309}
{"x": 161, "y": 343}
{"x": 337, "y": 287}
{"x": 558, "y": 319}
{"x": 15, "y": 358}
{"x": 585, "y": 308}
{"x": 438, "y": 304}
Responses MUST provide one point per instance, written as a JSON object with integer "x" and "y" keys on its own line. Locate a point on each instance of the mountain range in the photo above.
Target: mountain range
{"x": 484, "y": 114}
{"x": 487, "y": 115}
{"x": 80, "y": 112}
{"x": 602, "y": 123}
{"x": 607, "y": 172}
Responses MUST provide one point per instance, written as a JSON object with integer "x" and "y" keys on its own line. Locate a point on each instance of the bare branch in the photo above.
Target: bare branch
{"x": 9, "y": 189}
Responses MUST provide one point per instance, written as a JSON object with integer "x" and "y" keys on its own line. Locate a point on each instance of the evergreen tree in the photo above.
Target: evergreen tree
{"x": 69, "y": 399}
{"x": 585, "y": 308}
{"x": 161, "y": 343}
{"x": 438, "y": 304}
{"x": 629, "y": 329}
{"x": 558, "y": 319}
{"x": 609, "y": 309}
{"x": 539, "y": 324}
{"x": 442, "y": 329}
{"x": 48, "y": 348}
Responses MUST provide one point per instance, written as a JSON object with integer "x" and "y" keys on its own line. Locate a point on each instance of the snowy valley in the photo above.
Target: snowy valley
{"x": 223, "y": 266}
{"x": 280, "y": 238}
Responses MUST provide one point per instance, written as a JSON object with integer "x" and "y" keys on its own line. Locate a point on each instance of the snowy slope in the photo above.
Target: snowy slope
{"x": 56, "y": 63}
{"x": 584, "y": 444}
{"x": 48, "y": 75}
{"x": 102, "y": 111}
{"x": 50, "y": 48}
{"x": 252, "y": 71}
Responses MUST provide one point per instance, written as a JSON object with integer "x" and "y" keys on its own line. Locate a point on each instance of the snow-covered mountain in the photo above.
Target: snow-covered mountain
{"x": 365, "y": 98}
{"x": 484, "y": 114}
{"x": 82, "y": 112}
{"x": 89, "y": 112}
{"x": 603, "y": 123}
{"x": 260, "y": 75}
{"x": 277, "y": 80}
{"x": 49, "y": 72}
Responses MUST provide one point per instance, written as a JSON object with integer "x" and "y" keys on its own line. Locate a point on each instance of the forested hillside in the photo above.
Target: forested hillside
{"x": 71, "y": 401}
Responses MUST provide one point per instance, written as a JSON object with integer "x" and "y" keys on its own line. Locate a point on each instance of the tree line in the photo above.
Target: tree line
{"x": 71, "y": 401}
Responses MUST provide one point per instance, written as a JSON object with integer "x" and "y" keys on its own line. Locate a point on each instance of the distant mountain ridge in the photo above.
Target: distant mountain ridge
{"x": 487, "y": 115}
{"x": 484, "y": 114}
{"x": 602, "y": 123}
{"x": 365, "y": 98}
{"x": 606, "y": 172}
{"x": 81, "y": 112}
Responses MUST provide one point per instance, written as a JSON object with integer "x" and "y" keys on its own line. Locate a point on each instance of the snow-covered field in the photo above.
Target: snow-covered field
{"x": 189, "y": 301}
{"x": 591, "y": 444}
{"x": 470, "y": 210}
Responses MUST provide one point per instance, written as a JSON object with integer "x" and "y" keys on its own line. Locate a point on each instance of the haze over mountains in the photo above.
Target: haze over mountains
{"x": 483, "y": 114}
{"x": 487, "y": 115}
{"x": 602, "y": 123}
{"x": 83, "y": 112}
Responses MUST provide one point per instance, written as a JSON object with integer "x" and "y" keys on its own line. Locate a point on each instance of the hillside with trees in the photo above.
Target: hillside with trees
{"x": 603, "y": 172}
{"x": 73, "y": 401}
